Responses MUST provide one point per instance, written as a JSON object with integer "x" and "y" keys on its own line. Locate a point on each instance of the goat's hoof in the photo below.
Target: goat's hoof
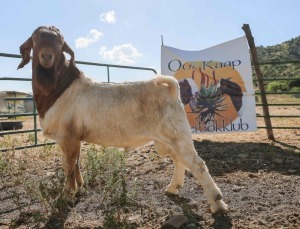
{"x": 219, "y": 207}
{"x": 68, "y": 196}
{"x": 171, "y": 191}
{"x": 80, "y": 182}
{"x": 80, "y": 185}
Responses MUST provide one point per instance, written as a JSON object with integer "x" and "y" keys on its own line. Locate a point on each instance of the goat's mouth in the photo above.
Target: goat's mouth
{"x": 45, "y": 71}
{"x": 46, "y": 65}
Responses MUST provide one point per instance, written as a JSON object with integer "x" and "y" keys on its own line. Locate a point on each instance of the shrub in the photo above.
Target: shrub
{"x": 277, "y": 86}
{"x": 296, "y": 89}
{"x": 294, "y": 83}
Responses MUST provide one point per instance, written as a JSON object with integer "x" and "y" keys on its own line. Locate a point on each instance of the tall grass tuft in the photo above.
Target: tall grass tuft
{"x": 106, "y": 170}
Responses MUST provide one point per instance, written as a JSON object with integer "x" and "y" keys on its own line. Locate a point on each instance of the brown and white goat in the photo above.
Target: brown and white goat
{"x": 72, "y": 108}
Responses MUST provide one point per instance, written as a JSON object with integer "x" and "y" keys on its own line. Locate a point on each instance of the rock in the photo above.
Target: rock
{"x": 262, "y": 171}
{"x": 277, "y": 160}
{"x": 134, "y": 217}
{"x": 292, "y": 171}
{"x": 191, "y": 226}
{"x": 236, "y": 188}
{"x": 167, "y": 160}
{"x": 262, "y": 222}
{"x": 4, "y": 226}
{"x": 253, "y": 175}
{"x": 49, "y": 174}
{"x": 161, "y": 167}
{"x": 175, "y": 222}
{"x": 243, "y": 155}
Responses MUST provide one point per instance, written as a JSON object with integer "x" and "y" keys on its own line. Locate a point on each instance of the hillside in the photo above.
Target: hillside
{"x": 288, "y": 50}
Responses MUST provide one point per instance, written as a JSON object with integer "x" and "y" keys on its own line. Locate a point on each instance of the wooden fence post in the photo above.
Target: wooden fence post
{"x": 259, "y": 76}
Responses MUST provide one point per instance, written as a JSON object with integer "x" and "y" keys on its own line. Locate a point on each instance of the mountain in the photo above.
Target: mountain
{"x": 286, "y": 51}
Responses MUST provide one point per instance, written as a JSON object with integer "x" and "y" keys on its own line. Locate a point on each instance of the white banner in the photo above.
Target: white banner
{"x": 215, "y": 85}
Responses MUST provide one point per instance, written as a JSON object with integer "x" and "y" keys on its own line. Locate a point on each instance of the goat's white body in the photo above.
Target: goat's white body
{"x": 122, "y": 115}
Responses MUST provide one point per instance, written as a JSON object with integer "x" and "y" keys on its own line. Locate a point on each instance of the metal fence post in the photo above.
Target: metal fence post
{"x": 35, "y": 125}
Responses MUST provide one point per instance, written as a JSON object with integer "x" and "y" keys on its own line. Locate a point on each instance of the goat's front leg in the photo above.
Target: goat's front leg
{"x": 78, "y": 176}
{"x": 177, "y": 178}
{"x": 70, "y": 155}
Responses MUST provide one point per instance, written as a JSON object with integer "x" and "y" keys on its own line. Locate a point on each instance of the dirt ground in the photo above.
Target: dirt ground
{"x": 259, "y": 179}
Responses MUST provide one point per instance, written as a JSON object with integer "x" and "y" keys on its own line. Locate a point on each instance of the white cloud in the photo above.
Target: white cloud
{"x": 124, "y": 54}
{"x": 91, "y": 37}
{"x": 108, "y": 17}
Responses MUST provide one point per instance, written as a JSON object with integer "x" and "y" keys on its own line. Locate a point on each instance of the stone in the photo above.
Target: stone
{"x": 292, "y": 171}
{"x": 134, "y": 217}
{"x": 252, "y": 175}
{"x": 277, "y": 160}
{"x": 236, "y": 188}
{"x": 243, "y": 155}
{"x": 175, "y": 222}
{"x": 262, "y": 222}
{"x": 191, "y": 226}
{"x": 2, "y": 226}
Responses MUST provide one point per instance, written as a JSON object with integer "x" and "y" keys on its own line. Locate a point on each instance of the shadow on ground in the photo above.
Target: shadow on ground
{"x": 251, "y": 157}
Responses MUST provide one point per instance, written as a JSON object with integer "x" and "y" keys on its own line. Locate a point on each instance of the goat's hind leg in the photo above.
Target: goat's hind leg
{"x": 187, "y": 154}
{"x": 177, "y": 178}
{"x": 211, "y": 190}
{"x": 179, "y": 169}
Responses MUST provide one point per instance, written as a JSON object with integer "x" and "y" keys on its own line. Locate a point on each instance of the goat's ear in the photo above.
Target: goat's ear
{"x": 25, "y": 49}
{"x": 68, "y": 50}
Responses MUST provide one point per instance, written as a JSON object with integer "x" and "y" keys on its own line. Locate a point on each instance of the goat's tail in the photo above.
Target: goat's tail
{"x": 170, "y": 82}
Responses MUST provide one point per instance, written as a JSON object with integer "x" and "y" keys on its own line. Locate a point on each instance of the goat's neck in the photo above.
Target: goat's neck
{"x": 46, "y": 92}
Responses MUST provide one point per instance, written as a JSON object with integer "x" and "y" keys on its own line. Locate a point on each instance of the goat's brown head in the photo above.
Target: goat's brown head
{"x": 47, "y": 43}
{"x": 50, "y": 70}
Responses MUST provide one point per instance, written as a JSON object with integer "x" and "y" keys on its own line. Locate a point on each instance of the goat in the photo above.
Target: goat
{"x": 72, "y": 108}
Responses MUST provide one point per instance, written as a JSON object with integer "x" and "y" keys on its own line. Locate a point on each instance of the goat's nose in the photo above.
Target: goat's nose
{"x": 47, "y": 57}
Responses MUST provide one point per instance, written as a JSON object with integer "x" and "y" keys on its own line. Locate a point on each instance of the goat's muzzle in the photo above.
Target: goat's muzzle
{"x": 46, "y": 57}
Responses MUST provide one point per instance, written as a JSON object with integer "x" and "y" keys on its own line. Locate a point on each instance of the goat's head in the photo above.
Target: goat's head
{"x": 48, "y": 60}
{"x": 48, "y": 44}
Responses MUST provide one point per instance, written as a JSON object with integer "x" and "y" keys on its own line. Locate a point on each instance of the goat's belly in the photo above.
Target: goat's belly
{"x": 117, "y": 140}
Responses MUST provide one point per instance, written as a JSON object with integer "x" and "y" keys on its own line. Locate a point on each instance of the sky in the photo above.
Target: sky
{"x": 129, "y": 32}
